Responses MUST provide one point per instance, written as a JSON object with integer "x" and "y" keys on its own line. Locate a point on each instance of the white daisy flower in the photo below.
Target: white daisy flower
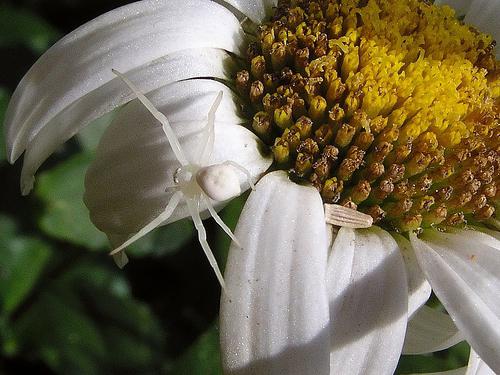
{"x": 376, "y": 112}
{"x": 275, "y": 317}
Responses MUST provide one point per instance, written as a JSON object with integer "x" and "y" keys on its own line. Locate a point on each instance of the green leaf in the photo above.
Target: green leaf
{"x": 131, "y": 332}
{"x": 86, "y": 322}
{"x": 62, "y": 335}
{"x": 203, "y": 357}
{"x": 22, "y": 261}
{"x": 455, "y": 357}
{"x": 65, "y": 216}
{"x": 23, "y": 27}
{"x": 8, "y": 227}
{"x": 4, "y": 100}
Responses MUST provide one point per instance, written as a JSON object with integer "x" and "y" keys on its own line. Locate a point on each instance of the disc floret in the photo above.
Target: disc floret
{"x": 389, "y": 108}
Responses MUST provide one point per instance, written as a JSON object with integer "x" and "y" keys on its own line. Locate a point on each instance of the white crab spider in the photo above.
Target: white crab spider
{"x": 195, "y": 183}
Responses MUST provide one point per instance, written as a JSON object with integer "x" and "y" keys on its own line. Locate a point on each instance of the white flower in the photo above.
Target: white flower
{"x": 299, "y": 300}
{"x": 295, "y": 304}
{"x": 173, "y": 50}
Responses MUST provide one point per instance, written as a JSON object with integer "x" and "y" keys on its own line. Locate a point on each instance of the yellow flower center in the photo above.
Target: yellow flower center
{"x": 389, "y": 107}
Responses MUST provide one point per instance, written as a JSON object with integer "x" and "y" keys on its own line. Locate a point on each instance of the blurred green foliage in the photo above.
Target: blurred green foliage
{"x": 20, "y": 27}
{"x": 64, "y": 215}
{"x": 203, "y": 357}
{"x": 4, "y": 100}
{"x": 68, "y": 310}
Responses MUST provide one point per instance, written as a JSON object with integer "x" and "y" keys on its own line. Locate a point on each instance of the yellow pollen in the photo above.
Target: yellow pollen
{"x": 388, "y": 107}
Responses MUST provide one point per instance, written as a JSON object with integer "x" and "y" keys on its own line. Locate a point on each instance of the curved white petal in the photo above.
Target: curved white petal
{"x": 429, "y": 331}
{"x": 419, "y": 289}
{"x": 177, "y": 66}
{"x": 477, "y": 366}
{"x": 125, "y": 184}
{"x": 483, "y": 14}
{"x": 274, "y": 312}
{"x": 463, "y": 268}
{"x": 125, "y": 39}
{"x": 256, "y": 10}
{"x": 368, "y": 293}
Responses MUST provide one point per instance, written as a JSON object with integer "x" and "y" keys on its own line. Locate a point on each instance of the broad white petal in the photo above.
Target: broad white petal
{"x": 419, "y": 289}
{"x": 429, "y": 331}
{"x": 274, "y": 312}
{"x": 177, "y": 66}
{"x": 367, "y": 286}
{"x": 477, "y": 366}
{"x": 125, "y": 38}
{"x": 463, "y": 268}
{"x": 256, "y": 10}
{"x": 125, "y": 185}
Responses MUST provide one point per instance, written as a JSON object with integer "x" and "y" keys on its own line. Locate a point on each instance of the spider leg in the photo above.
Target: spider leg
{"x": 202, "y": 238}
{"x": 241, "y": 169}
{"x": 167, "y": 129}
{"x": 220, "y": 222}
{"x": 167, "y": 212}
{"x": 209, "y": 134}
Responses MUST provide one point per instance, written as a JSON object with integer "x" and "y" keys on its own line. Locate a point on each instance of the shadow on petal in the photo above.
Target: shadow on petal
{"x": 305, "y": 359}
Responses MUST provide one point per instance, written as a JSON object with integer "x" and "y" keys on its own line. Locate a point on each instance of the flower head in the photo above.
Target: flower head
{"x": 390, "y": 109}
{"x": 375, "y": 112}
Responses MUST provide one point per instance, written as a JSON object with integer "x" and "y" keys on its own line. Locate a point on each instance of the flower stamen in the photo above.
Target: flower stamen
{"x": 388, "y": 108}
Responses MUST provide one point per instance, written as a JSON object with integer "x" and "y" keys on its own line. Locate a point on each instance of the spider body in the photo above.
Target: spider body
{"x": 198, "y": 184}
{"x": 219, "y": 182}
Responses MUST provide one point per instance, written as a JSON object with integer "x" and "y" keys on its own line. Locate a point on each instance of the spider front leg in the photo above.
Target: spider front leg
{"x": 193, "y": 205}
{"x": 167, "y": 212}
{"x": 219, "y": 220}
{"x": 162, "y": 119}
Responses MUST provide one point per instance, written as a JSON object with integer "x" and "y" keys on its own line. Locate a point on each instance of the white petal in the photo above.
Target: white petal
{"x": 125, "y": 185}
{"x": 274, "y": 314}
{"x": 174, "y": 67}
{"x": 463, "y": 269}
{"x": 419, "y": 289}
{"x": 368, "y": 293}
{"x": 490, "y": 232}
{"x": 256, "y": 10}
{"x": 429, "y": 331}
{"x": 125, "y": 38}
{"x": 477, "y": 366}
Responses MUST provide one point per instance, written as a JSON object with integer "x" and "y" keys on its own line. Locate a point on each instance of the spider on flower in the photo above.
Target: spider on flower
{"x": 197, "y": 183}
